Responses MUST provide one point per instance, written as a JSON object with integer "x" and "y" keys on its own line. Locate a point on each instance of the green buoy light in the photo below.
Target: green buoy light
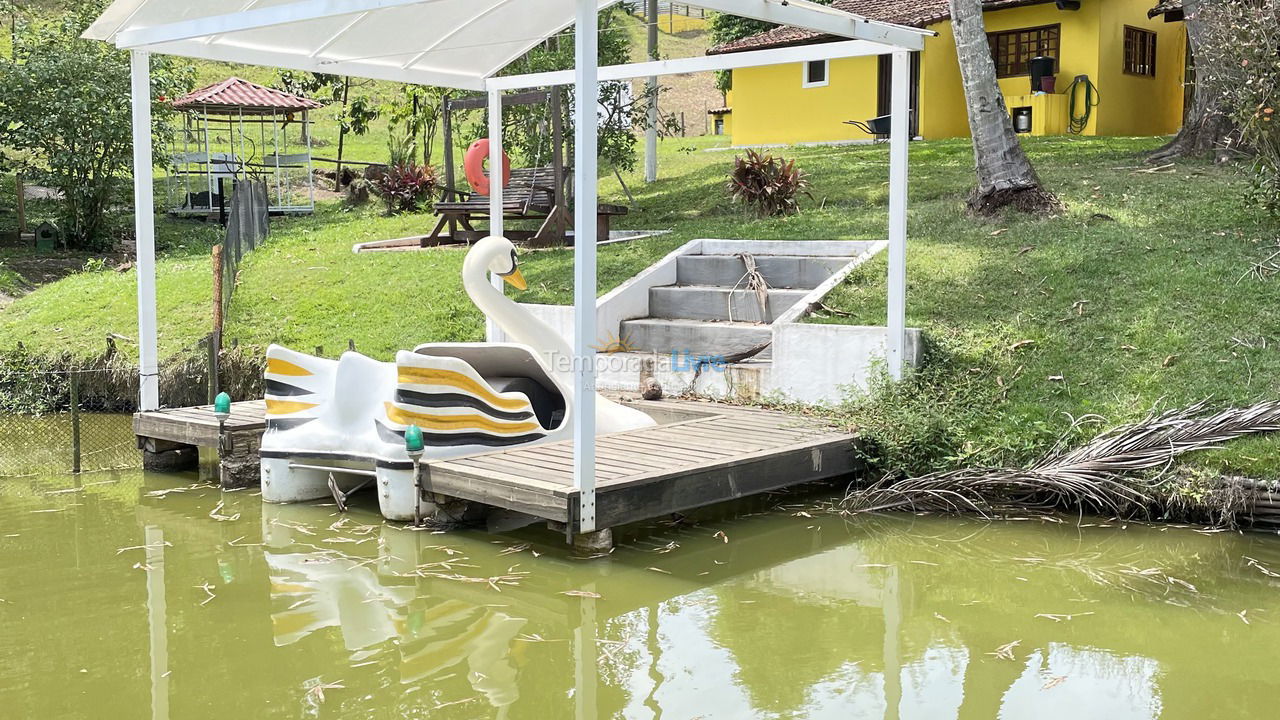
{"x": 222, "y": 407}
{"x": 413, "y": 443}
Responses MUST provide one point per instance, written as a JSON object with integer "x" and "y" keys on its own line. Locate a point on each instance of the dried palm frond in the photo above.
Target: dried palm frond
{"x": 1099, "y": 476}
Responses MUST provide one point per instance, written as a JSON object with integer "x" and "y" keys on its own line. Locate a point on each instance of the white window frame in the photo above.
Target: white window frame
{"x": 826, "y": 74}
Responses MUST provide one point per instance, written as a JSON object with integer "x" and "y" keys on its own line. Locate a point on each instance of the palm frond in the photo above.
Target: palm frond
{"x": 1100, "y": 476}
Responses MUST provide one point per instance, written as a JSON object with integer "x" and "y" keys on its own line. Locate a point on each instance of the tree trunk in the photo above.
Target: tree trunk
{"x": 1205, "y": 127}
{"x": 1005, "y": 175}
{"x": 342, "y": 133}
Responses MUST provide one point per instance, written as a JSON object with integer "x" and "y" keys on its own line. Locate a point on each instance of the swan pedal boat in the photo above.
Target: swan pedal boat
{"x": 331, "y": 425}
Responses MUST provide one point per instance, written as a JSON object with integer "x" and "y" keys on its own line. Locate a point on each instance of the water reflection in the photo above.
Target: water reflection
{"x": 165, "y": 603}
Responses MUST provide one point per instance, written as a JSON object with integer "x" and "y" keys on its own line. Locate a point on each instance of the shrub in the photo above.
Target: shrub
{"x": 403, "y": 187}
{"x": 1237, "y": 57}
{"x": 769, "y": 185}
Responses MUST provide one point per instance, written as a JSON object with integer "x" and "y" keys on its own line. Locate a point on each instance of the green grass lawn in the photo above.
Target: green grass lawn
{"x": 1139, "y": 296}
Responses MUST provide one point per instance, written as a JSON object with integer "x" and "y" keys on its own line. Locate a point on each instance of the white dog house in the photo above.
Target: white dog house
{"x": 464, "y": 44}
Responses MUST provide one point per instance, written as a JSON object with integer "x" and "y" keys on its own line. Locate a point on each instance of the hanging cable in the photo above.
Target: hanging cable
{"x": 1079, "y": 122}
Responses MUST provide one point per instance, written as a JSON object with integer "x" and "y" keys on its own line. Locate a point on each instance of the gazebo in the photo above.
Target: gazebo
{"x": 464, "y": 44}
{"x": 236, "y": 130}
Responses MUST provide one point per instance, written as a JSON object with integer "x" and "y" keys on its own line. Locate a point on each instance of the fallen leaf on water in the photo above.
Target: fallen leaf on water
{"x": 720, "y": 534}
{"x": 582, "y": 594}
{"x": 1242, "y": 616}
{"x": 515, "y": 549}
{"x": 1059, "y": 617}
{"x": 1054, "y": 682}
{"x": 1005, "y": 652}
{"x": 660, "y": 570}
{"x": 208, "y": 589}
{"x": 943, "y": 619}
{"x": 156, "y": 546}
{"x": 317, "y": 690}
{"x": 873, "y": 565}
{"x": 924, "y": 562}
{"x": 1255, "y": 564}
{"x": 1183, "y": 583}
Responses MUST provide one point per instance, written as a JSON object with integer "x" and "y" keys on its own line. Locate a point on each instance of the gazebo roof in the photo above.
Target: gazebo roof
{"x": 235, "y": 95}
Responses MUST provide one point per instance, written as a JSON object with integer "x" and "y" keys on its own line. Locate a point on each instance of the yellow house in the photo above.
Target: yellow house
{"x": 1116, "y": 71}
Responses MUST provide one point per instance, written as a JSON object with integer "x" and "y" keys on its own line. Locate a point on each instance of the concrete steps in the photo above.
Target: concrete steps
{"x": 700, "y": 302}
{"x": 801, "y": 272}
{"x": 696, "y": 337}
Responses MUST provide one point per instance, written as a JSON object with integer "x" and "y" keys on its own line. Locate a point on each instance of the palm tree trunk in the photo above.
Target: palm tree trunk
{"x": 1206, "y": 126}
{"x": 1005, "y": 175}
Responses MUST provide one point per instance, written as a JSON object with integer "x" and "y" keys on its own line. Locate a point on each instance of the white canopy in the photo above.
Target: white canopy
{"x": 450, "y": 43}
{"x": 464, "y": 44}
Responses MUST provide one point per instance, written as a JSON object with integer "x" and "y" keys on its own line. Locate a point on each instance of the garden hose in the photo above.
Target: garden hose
{"x": 1091, "y": 95}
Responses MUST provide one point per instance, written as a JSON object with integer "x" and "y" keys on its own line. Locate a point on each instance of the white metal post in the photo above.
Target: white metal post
{"x": 585, "y": 196}
{"x": 497, "y": 222}
{"x": 145, "y": 229}
{"x": 899, "y": 141}
{"x": 651, "y": 87}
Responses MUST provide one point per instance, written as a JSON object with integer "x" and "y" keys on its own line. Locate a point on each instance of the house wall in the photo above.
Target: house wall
{"x": 771, "y": 107}
{"x": 1136, "y": 104}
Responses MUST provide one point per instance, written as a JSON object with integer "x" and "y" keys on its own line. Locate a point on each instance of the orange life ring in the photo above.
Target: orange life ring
{"x": 473, "y": 165}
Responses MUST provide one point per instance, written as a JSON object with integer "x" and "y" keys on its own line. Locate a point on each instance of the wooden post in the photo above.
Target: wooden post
{"x": 215, "y": 337}
{"x": 560, "y": 207}
{"x": 446, "y": 139}
{"x": 21, "y": 188}
{"x": 75, "y": 422}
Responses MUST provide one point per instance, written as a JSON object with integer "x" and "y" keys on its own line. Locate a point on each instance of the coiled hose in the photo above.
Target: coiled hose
{"x": 1079, "y": 122}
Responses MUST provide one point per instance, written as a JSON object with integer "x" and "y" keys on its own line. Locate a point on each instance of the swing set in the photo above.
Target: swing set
{"x": 532, "y": 194}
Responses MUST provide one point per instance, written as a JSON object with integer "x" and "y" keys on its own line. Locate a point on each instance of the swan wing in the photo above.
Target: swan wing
{"x": 297, "y": 387}
{"x": 454, "y": 406}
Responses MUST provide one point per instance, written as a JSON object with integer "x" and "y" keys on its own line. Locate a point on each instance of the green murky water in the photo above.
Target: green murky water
{"x": 131, "y": 596}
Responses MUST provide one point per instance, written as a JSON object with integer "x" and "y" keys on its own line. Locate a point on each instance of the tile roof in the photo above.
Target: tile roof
{"x": 237, "y": 94}
{"x": 915, "y": 13}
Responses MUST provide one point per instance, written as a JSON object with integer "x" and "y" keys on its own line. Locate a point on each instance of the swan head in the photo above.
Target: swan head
{"x": 498, "y": 256}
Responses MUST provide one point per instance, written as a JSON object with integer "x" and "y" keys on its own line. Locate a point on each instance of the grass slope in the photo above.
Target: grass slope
{"x": 1139, "y": 295}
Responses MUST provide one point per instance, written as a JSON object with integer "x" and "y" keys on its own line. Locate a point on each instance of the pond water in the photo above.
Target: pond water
{"x": 130, "y": 596}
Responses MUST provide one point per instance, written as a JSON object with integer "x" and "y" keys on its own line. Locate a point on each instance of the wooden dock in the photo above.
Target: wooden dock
{"x": 700, "y": 454}
{"x": 170, "y": 440}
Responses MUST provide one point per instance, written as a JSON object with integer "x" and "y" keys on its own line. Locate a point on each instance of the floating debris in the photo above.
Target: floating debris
{"x": 582, "y": 594}
{"x": 1061, "y": 617}
{"x": 1054, "y": 682}
{"x": 155, "y": 546}
{"x": 1005, "y": 652}
{"x": 208, "y": 589}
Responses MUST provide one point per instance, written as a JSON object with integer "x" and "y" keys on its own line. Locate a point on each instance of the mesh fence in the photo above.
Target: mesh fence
{"x": 59, "y": 416}
{"x": 71, "y": 423}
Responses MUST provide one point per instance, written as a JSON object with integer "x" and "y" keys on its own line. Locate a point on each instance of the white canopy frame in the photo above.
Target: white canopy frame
{"x": 236, "y": 36}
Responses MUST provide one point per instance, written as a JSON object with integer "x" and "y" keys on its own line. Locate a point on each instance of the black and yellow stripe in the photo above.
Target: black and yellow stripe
{"x": 408, "y": 375}
{"x": 415, "y": 398}
{"x": 441, "y": 439}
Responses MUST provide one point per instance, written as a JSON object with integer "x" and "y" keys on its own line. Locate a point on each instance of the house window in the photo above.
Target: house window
{"x": 816, "y": 74}
{"x": 1139, "y": 51}
{"x": 1013, "y": 49}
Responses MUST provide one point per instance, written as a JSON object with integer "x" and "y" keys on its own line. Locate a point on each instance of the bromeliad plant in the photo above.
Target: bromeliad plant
{"x": 405, "y": 184}
{"x": 767, "y": 184}
{"x": 405, "y": 187}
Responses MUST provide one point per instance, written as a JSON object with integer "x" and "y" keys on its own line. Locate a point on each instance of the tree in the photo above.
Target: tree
{"x": 1207, "y": 126}
{"x": 1005, "y": 175}
{"x": 66, "y": 114}
{"x": 526, "y": 129}
{"x": 355, "y": 117}
{"x": 1238, "y": 69}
